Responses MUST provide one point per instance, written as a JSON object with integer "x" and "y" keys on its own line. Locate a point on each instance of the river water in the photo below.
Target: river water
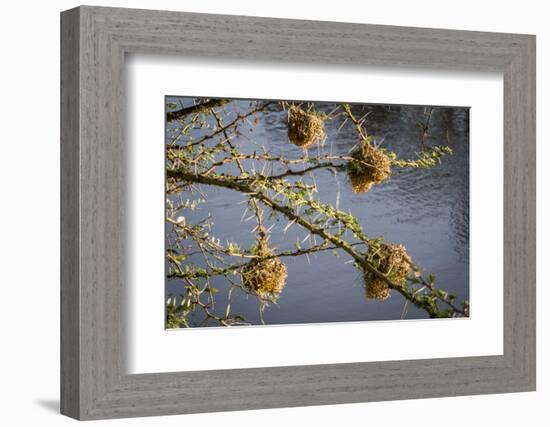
{"x": 426, "y": 210}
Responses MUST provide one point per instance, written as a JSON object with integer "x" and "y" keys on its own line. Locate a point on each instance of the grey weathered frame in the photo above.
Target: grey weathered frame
{"x": 94, "y": 41}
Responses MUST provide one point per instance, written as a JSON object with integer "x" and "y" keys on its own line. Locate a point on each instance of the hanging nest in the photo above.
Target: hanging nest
{"x": 377, "y": 289}
{"x": 370, "y": 166}
{"x": 393, "y": 261}
{"x": 265, "y": 277}
{"x": 304, "y": 129}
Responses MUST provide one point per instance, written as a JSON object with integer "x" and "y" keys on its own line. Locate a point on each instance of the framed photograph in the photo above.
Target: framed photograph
{"x": 280, "y": 213}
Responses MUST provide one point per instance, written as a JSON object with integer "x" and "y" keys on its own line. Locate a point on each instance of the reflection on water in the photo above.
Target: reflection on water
{"x": 426, "y": 210}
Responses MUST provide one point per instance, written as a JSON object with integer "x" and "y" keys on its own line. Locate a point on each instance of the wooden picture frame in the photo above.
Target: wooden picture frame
{"x": 94, "y": 382}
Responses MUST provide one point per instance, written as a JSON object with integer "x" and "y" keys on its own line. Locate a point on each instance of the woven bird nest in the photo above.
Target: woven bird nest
{"x": 394, "y": 262}
{"x": 377, "y": 289}
{"x": 304, "y": 129}
{"x": 264, "y": 276}
{"x": 370, "y": 166}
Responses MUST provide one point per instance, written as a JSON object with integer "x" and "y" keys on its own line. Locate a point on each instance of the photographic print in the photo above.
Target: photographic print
{"x": 295, "y": 212}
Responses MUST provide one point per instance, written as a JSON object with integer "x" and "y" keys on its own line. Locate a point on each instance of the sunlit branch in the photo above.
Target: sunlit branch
{"x": 358, "y": 257}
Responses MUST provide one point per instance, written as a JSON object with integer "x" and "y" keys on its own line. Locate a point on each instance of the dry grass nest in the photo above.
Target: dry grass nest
{"x": 370, "y": 166}
{"x": 304, "y": 129}
{"x": 264, "y": 276}
{"x": 393, "y": 261}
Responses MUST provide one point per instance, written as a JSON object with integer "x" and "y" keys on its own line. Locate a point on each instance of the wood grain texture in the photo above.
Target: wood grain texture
{"x": 70, "y": 264}
{"x": 95, "y": 383}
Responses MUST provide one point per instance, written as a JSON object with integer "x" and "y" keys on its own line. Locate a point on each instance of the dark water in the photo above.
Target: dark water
{"x": 427, "y": 210}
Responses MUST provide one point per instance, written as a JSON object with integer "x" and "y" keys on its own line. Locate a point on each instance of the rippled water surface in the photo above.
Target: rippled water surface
{"x": 427, "y": 210}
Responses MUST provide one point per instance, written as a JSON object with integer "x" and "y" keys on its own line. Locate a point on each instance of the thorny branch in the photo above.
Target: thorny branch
{"x": 283, "y": 186}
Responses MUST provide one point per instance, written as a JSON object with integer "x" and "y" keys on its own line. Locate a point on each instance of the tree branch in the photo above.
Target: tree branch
{"x": 360, "y": 259}
{"x": 197, "y": 108}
